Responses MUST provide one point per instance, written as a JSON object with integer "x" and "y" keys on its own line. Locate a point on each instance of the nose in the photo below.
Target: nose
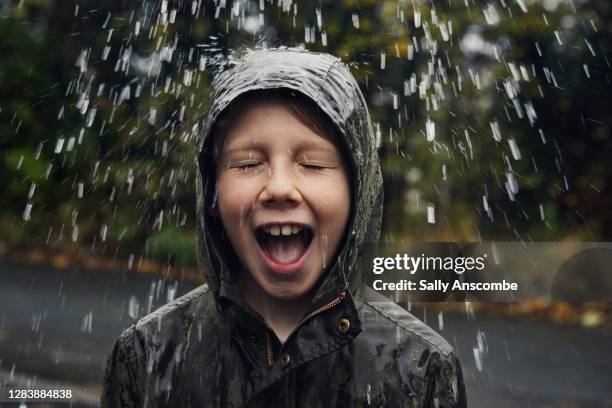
{"x": 280, "y": 188}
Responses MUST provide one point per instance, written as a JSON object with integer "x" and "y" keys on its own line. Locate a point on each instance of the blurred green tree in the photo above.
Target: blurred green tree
{"x": 493, "y": 121}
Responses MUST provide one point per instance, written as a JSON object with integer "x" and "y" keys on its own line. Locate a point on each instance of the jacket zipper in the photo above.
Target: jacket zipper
{"x": 323, "y": 308}
{"x": 270, "y": 351}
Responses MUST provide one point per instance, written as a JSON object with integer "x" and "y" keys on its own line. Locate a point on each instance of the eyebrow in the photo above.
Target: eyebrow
{"x": 303, "y": 146}
{"x": 238, "y": 149}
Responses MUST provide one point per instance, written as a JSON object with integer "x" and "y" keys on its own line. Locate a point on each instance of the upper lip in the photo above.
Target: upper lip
{"x": 281, "y": 223}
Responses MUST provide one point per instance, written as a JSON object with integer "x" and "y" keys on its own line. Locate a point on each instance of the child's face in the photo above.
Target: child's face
{"x": 284, "y": 199}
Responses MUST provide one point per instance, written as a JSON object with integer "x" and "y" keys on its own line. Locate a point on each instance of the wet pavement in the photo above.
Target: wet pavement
{"x": 58, "y": 325}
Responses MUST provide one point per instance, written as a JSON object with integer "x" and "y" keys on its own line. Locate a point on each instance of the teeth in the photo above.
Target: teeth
{"x": 285, "y": 230}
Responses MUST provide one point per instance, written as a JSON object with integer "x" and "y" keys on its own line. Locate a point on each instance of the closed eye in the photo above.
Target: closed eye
{"x": 317, "y": 166}
{"x": 246, "y": 165}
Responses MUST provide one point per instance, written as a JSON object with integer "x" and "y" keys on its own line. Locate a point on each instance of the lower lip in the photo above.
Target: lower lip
{"x": 286, "y": 269}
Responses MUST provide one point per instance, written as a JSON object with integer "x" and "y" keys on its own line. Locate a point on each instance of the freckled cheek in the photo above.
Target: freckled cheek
{"x": 234, "y": 198}
{"x": 330, "y": 201}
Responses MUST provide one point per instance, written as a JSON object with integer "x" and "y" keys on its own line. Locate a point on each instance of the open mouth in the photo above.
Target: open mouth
{"x": 284, "y": 244}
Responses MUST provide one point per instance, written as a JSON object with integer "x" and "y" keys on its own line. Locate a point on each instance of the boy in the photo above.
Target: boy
{"x": 289, "y": 190}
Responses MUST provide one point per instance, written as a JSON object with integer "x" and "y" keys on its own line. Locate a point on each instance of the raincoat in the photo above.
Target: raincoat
{"x": 353, "y": 348}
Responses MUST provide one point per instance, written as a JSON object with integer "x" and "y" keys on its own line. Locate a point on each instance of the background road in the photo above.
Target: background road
{"x": 58, "y": 325}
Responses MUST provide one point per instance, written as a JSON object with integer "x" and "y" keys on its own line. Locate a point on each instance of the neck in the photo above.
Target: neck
{"x": 282, "y": 315}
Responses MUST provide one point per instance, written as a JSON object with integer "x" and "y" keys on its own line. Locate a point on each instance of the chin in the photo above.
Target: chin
{"x": 287, "y": 294}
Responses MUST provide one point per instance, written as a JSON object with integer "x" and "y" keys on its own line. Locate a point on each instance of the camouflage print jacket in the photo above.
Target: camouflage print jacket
{"x": 354, "y": 348}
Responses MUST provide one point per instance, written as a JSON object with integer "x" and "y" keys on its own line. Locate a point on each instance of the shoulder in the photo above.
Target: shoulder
{"x": 427, "y": 369}
{"x": 380, "y": 311}
{"x": 181, "y": 309}
{"x": 153, "y": 338}
{"x": 171, "y": 321}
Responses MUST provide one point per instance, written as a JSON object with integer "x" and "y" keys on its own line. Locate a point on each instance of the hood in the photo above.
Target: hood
{"x": 327, "y": 82}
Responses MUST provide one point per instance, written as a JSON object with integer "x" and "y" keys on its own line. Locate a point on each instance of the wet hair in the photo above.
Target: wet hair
{"x": 303, "y": 108}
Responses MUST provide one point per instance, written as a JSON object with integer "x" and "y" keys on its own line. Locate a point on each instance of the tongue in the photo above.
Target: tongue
{"x": 284, "y": 249}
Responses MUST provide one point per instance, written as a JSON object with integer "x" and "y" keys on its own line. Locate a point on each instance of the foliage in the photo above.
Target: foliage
{"x": 495, "y": 117}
